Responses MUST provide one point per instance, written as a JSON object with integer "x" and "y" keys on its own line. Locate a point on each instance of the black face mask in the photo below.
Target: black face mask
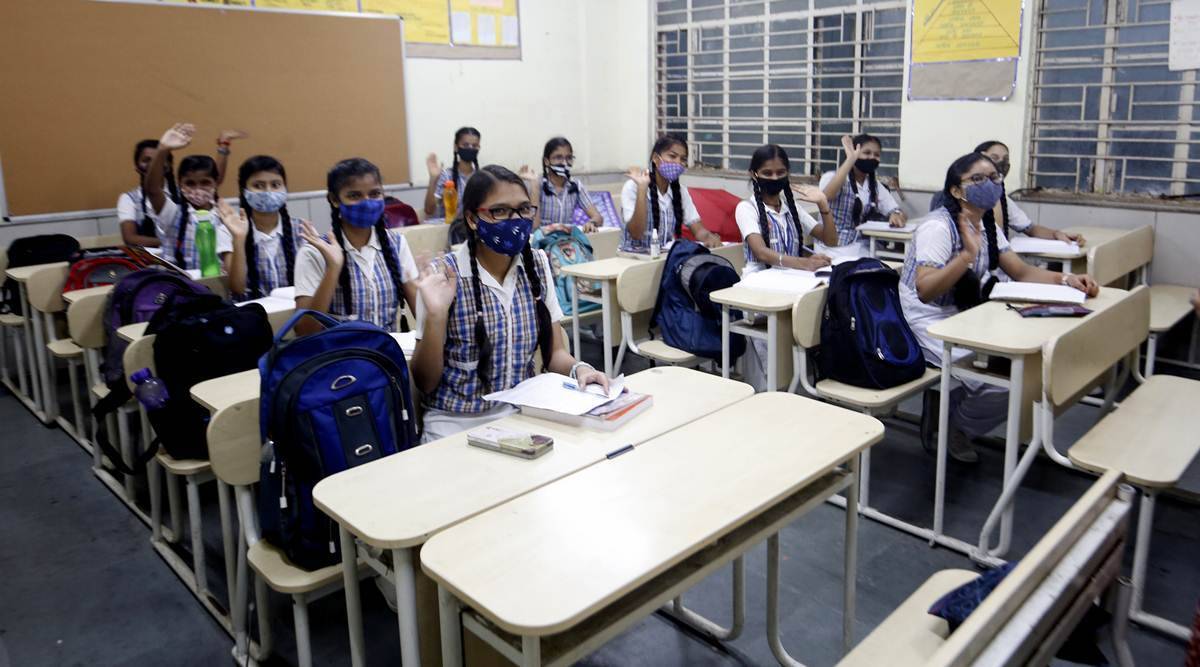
{"x": 771, "y": 186}
{"x": 1002, "y": 166}
{"x": 866, "y": 166}
{"x": 468, "y": 154}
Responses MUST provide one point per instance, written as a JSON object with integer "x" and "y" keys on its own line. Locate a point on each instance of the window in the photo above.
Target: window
{"x": 731, "y": 75}
{"x": 1108, "y": 116}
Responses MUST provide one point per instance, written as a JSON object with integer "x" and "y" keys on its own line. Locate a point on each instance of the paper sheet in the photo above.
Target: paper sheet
{"x": 1037, "y": 293}
{"x": 460, "y": 27}
{"x": 510, "y": 33}
{"x": 790, "y": 281}
{"x": 272, "y": 304}
{"x": 883, "y": 226}
{"x": 408, "y": 342}
{"x": 551, "y": 391}
{"x": 284, "y": 293}
{"x": 485, "y": 29}
{"x": 1184, "y": 47}
{"x": 1027, "y": 245}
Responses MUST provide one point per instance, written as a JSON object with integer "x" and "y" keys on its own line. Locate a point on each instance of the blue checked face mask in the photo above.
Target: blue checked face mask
{"x": 265, "y": 201}
{"x": 362, "y": 214}
{"x": 507, "y": 237}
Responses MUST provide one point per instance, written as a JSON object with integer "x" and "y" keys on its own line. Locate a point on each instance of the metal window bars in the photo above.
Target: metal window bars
{"x": 731, "y": 75}
{"x": 1108, "y": 115}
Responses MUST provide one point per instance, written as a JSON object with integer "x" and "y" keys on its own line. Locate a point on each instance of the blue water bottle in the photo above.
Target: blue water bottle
{"x": 149, "y": 390}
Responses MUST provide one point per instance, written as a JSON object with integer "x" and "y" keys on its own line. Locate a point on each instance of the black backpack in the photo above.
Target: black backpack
{"x": 31, "y": 251}
{"x": 865, "y": 340}
{"x": 198, "y": 338}
{"x": 685, "y": 316}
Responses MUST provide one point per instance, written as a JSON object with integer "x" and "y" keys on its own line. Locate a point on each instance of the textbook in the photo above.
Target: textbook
{"x": 790, "y": 281}
{"x": 1025, "y": 245}
{"x": 885, "y": 226}
{"x": 1037, "y": 293}
{"x": 607, "y": 417}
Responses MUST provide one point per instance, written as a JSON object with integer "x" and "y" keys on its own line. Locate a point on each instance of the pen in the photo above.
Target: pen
{"x": 617, "y": 452}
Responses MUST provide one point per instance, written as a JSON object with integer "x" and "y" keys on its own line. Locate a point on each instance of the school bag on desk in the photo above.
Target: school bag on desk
{"x": 330, "y": 401}
{"x": 865, "y": 340}
{"x": 100, "y": 266}
{"x": 31, "y": 251}
{"x": 565, "y": 248}
{"x": 685, "y": 316}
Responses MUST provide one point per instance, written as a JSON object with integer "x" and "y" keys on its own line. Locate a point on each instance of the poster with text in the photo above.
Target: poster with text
{"x": 425, "y": 21}
{"x": 484, "y": 23}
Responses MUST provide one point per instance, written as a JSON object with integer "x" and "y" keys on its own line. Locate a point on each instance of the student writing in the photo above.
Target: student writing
{"x": 772, "y": 228}
{"x": 654, "y": 200}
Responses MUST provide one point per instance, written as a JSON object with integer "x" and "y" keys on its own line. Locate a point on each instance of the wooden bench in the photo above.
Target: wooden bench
{"x": 1030, "y": 614}
{"x": 1131, "y": 253}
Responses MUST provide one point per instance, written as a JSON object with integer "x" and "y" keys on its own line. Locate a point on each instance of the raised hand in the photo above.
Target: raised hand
{"x": 969, "y": 235}
{"x": 811, "y": 194}
{"x": 640, "y": 176}
{"x": 227, "y": 136}
{"x": 848, "y": 147}
{"x": 234, "y": 221}
{"x": 434, "y": 167}
{"x": 331, "y": 251}
{"x": 437, "y": 286}
{"x": 177, "y": 137}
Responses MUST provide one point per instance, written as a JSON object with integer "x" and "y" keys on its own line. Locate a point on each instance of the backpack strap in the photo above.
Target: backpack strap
{"x": 118, "y": 396}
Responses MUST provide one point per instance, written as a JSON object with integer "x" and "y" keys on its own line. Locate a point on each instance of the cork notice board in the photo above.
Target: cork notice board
{"x": 85, "y": 80}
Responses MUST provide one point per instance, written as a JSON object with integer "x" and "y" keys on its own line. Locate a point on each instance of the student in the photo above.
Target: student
{"x": 773, "y": 232}
{"x": 368, "y": 272}
{"x": 1011, "y": 214}
{"x": 466, "y": 162}
{"x": 485, "y": 309}
{"x": 669, "y": 210}
{"x": 262, "y": 259}
{"x": 133, "y": 211}
{"x": 953, "y": 254}
{"x": 197, "y": 180}
{"x": 855, "y": 194}
{"x": 561, "y": 194}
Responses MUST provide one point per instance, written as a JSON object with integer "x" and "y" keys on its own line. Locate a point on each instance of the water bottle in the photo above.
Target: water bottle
{"x": 450, "y": 200}
{"x": 206, "y": 244}
{"x": 654, "y": 249}
{"x": 150, "y": 391}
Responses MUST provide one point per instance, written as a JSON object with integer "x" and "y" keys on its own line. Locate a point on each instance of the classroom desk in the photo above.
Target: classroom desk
{"x": 75, "y": 295}
{"x": 35, "y": 345}
{"x": 600, "y": 549}
{"x": 1092, "y": 236}
{"x": 777, "y": 306}
{"x": 604, "y": 271}
{"x": 278, "y": 313}
{"x": 444, "y": 482}
{"x": 995, "y": 330}
{"x": 899, "y": 235}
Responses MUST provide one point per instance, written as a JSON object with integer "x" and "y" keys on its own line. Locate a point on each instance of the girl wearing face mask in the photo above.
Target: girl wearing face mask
{"x": 133, "y": 211}
{"x": 486, "y": 309}
{"x": 668, "y": 208}
{"x": 197, "y": 179}
{"x": 466, "y": 162}
{"x": 952, "y": 259}
{"x": 1013, "y": 217}
{"x": 366, "y": 270}
{"x": 773, "y": 229}
{"x": 854, "y": 194}
{"x": 264, "y": 253}
{"x": 561, "y": 195}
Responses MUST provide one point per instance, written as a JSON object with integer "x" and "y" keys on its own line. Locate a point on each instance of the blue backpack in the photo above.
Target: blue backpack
{"x": 330, "y": 401}
{"x": 685, "y": 316}
{"x": 865, "y": 340}
{"x": 566, "y": 249}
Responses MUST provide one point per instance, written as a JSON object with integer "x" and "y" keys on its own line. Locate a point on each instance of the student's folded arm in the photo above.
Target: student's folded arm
{"x": 933, "y": 282}
{"x": 130, "y": 236}
{"x": 1018, "y": 270}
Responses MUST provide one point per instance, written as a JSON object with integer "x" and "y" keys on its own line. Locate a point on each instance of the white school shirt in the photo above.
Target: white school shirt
{"x": 440, "y": 423}
{"x": 310, "y": 264}
{"x": 887, "y": 203}
{"x": 1018, "y": 221}
{"x": 166, "y": 228}
{"x": 629, "y": 201}
{"x": 746, "y": 215}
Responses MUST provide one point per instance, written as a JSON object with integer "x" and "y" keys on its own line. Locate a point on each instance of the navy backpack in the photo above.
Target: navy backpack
{"x": 685, "y": 316}
{"x": 865, "y": 340}
{"x": 330, "y": 401}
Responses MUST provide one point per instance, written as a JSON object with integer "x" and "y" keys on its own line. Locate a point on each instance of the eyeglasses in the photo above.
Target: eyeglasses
{"x": 569, "y": 161}
{"x": 507, "y": 212}
{"x": 979, "y": 178}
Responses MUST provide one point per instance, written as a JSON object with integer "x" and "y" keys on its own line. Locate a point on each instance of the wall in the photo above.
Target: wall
{"x": 935, "y": 133}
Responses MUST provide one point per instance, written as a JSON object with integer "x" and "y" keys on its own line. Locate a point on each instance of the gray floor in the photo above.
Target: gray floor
{"x": 82, "y": 585}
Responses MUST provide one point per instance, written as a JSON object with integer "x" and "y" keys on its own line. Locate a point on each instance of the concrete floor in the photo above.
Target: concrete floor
{"x": 82, "y": 586}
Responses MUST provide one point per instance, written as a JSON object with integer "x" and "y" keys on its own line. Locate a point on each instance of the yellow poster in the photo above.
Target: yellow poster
{"x": 235, "y": 3}
{"x": 311, "y": 5}
{"x": 425, "y": 21}
{"x": 484, "y": 22}
{"x": 953, "y": 30}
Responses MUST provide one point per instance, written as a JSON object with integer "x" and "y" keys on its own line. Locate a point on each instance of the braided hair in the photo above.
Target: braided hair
{"x": 341, "y": 174}
{"x": 982, "y": 148}
{"x": 954, "y": 178}
{"x": 872, "y": 183}
{"x": 458, "y": 135}
{"x": 250, "y": 167}
{"x": 757, "y": 160}
{"x": 190, "y": 164}
{"x": 551, "y": 146}
{"x": 664, "y": 142}
{"x": 477, "y": 190}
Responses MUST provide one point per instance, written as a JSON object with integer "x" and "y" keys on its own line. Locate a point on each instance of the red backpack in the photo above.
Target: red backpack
{"x": 100, "y": 266}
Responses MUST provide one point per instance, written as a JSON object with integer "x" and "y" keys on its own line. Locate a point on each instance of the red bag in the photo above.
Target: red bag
{"x": 95, "y": 268}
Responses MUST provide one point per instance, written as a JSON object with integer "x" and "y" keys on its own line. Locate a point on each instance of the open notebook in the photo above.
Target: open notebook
{"x": 1025, "y": 245}
{"x": 791, "y": 281}
{"x": 884, "y": 226}
{"x": 1037, "y": 293}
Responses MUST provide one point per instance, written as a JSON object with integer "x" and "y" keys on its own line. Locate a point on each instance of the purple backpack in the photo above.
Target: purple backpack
{"x": 134, "y": 299}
